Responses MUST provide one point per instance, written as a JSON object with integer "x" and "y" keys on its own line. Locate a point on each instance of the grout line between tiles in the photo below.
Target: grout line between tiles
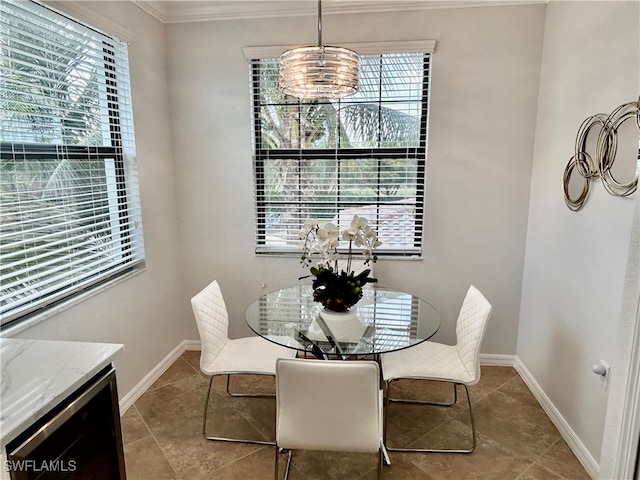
{"x": 135, "y": 442}
{"x": 258, "y": 448}
{"x": 151, "y": 434}
{"x": 549, "y": 467}
{"x": 165, "y": 457}
{"x": 519, "y": 477}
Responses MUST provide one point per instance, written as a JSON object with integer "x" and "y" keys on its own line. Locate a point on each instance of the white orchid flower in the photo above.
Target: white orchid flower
{"x": 329, "y": 230}
{"x": 303, "y": 233}
{"x": 359, "y": 222}
{"x": 324, "y": 240}
{"x": 351, "y": 232}
{"x": 348, "y": 234}
{"x": 311, "y": 223}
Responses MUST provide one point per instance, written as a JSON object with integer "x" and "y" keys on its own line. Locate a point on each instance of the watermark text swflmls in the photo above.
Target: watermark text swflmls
{"x": 32, "y": 465}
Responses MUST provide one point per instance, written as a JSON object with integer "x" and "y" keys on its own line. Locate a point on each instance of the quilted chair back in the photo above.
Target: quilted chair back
{"x": 471, "y": 325}
{"x": 328, "y": 405}
{"x": 212, "y": 319}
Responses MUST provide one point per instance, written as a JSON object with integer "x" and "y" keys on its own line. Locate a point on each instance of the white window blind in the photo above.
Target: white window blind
{"x": 69, "y": 206}
{"x": 331, "y": 159}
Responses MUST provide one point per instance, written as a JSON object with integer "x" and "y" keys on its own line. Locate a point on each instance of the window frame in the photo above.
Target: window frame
{"x": 126, "y": 231}
{"x": 417, "y": 153}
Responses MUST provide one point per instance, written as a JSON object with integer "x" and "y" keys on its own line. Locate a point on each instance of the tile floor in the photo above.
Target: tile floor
{"x": 516, "y": 440}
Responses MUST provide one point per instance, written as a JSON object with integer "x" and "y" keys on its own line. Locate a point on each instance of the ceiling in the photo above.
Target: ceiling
{"x": 182, "y": 11}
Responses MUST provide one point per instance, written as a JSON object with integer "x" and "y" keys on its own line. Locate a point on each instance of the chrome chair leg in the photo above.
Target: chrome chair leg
{"x": 427, "y": 402}
{"x": 225, "y": 439}
{"x": 441, "y": 404}
{"x": 253, "y": 395}
{"x": 385, "y": 455}
{"x": 278, "y": 452}
{"x": 286, "y": 470}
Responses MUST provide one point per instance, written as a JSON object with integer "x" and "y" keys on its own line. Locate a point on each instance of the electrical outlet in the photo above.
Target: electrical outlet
{"x": 603, "y": 370}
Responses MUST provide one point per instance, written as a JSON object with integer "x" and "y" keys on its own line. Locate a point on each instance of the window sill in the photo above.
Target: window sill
{"x": 381, "y": 256}
{"x": 49, "y": 312}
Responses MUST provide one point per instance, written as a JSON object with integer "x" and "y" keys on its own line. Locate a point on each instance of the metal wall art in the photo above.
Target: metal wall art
{"x": 590, "y": 168}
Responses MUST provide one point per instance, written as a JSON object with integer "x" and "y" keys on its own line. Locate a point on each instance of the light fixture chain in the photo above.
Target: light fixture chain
{"x": 319, "y": 23}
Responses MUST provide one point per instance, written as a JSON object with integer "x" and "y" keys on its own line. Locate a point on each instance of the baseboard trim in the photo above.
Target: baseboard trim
{"x": 144, "y": 384}
{"x": 497, "y": 360}
{"x": 192, "y": 345}
{"x": 569, "y": 436}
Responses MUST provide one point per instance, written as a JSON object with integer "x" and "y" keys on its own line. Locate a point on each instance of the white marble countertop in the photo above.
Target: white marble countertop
{"x": 36, "y": 375}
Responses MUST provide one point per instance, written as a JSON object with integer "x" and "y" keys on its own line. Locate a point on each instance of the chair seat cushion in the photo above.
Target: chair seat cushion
{"x": 248, "y": 355}
{"x": 428, "y": 360}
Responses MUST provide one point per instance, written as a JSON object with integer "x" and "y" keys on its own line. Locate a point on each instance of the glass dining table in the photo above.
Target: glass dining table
{"x": 384, "y": 320}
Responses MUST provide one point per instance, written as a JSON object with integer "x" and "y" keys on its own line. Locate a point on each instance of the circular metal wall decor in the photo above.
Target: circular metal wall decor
{"x": 606, "y": 127}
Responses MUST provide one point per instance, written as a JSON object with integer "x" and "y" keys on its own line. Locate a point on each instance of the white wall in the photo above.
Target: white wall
{"x": 576, "y": 262}
{"x": 147, "y": 313}
{"x": 484, "y": 99}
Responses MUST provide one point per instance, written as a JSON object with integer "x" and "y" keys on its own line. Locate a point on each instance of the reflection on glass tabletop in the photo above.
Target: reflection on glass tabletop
{"x": 382, "y": 321}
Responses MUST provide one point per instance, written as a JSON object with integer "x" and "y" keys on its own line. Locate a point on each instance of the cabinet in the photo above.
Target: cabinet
{"x": 60, "y": 417}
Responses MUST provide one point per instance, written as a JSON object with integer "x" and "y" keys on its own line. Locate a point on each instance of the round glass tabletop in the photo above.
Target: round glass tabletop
{"x": 383, "y": 320}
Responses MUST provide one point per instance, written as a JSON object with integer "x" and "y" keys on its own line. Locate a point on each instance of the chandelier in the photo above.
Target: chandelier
{"x": 321, "y": 71}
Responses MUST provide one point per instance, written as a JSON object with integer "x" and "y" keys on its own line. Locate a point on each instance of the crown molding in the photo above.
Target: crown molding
{"x": 155, "y": 9}
{"x": 214, "y": 10}
{"x": 81, "y": 11}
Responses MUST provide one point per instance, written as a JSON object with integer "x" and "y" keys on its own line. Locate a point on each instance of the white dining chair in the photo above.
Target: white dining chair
{"x": 458, "y": 364}
{"x": 328, "y": 406}
{"x": 223, "y": 356}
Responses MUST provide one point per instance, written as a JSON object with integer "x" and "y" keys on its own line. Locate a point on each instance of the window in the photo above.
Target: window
{"x": 69, "y": 208}
{"x": 331, "y": 159}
